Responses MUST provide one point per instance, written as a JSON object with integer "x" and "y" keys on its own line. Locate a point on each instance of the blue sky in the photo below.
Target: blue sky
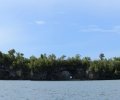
{"x": 85, "y": 27}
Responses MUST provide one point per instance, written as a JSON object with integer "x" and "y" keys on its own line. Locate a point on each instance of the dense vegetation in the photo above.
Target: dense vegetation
{"x": 14, "y": 66}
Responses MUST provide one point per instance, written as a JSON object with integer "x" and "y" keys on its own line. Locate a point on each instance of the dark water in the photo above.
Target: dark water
{"x": 60, "y": 90}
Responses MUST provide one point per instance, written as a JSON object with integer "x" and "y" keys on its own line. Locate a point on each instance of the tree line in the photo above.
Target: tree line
{"x": 14, "y": 66}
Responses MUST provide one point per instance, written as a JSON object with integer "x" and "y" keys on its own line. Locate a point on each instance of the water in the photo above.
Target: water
{"x": 60, "y": 90}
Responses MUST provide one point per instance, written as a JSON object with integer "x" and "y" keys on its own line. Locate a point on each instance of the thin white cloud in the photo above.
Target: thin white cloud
{"x": 115, "y": 29}
{"x": 40, "y": 22}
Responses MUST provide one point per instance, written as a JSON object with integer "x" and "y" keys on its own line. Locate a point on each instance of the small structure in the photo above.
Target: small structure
{"x": 65, "y": 75}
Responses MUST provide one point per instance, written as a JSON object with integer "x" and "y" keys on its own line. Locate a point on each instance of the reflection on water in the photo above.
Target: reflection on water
{"x": 60, "y": 90}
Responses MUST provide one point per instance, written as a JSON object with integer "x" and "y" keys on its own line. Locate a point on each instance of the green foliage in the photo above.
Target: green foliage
{"x": 49, "y": 67}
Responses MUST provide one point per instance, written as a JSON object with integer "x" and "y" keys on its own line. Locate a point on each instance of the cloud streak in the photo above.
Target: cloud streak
{"x": 40, "y": 22}
{"x": 115, "y": 29}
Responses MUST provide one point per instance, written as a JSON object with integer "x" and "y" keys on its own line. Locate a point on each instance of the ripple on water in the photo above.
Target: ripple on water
{"x": 77, "y": 90}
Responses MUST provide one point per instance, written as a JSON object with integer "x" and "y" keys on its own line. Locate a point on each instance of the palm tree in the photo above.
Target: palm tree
{"x": 101, "y": 56}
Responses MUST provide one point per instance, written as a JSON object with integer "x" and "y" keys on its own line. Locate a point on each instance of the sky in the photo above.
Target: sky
{"x": 62, "y": 27}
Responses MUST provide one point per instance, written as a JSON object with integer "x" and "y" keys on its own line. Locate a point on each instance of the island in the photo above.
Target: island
{"x": 14, "y": 66}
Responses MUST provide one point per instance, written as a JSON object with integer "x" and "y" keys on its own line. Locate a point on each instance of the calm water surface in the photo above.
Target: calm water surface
{"x": 60, "y": 90}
